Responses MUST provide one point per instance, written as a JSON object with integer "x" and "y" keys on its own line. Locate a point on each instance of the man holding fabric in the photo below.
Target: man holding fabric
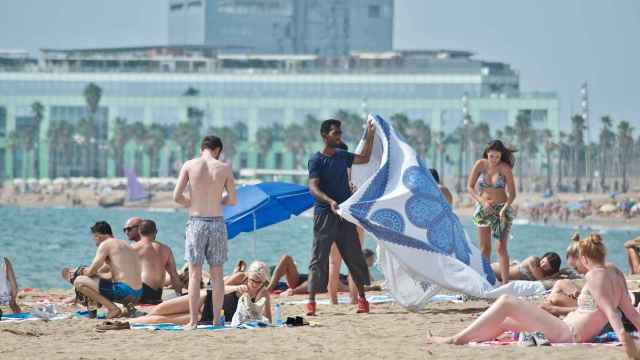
{"x": 329, "y": 185}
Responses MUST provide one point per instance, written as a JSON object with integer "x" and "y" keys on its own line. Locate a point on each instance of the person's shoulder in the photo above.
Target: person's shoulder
{"x": 315, "y": 156}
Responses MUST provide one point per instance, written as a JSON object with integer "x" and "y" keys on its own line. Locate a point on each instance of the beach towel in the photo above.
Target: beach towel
{"x": 175, "y": 327}
{"x": 377, "y": 299}
{"x": 421, "y": 241}
{"x": 25, "y": 316}
{"x": 5, "y": 290}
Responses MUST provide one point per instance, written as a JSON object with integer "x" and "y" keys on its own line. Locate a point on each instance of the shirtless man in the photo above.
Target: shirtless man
{"x": 206, "y": 234}
{"x": 156, "y": 259}
{"x": 125, "y": 285}
{"x": 132, "y": 229}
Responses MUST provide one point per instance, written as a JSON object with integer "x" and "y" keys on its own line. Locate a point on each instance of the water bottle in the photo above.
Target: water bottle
{"x": 222, "y": 319}
{"x": 277, "y": 315}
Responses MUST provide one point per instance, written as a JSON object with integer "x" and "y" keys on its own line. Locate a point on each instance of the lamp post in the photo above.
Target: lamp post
{"x": 466, "y": 120}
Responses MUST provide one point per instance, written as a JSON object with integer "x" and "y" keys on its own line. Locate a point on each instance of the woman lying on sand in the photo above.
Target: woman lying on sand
{"x": 601, "y": 299}
{"x": 177, "y": 310}
{"x": 532, "y": 268}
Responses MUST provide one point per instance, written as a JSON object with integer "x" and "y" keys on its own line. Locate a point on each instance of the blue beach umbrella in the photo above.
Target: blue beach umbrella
{"x": 265, "y": 204}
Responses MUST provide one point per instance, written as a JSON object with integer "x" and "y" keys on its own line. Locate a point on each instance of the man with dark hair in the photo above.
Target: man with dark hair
{"x": 329, "y": 185}
{"x": 156, "y": 259}
{"x": 206, "y": 234}
{"x": 125, "y": 285}
{"x": 443, "y": 189}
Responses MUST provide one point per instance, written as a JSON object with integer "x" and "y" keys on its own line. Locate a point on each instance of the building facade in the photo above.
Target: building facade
{"x": 328, "y": 27}
{"x": 245, "y": 92}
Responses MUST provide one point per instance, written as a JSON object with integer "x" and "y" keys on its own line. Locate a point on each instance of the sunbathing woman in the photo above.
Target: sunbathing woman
{"x": 601, "y": 299}
{"x": 564, "y": 294}
{"x": 493, "y": 215}
{"x": 532, "y": 268}
{"x": 177, "y": 310}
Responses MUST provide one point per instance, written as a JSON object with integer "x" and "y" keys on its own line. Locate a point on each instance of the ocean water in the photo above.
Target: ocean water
{"x": 41, "y": 241}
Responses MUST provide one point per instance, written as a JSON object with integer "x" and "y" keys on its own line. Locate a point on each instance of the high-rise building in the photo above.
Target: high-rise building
{"x": 321, "y": 27}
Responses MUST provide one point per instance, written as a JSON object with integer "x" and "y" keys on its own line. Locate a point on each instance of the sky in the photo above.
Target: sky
{"x": 556, "y": 45}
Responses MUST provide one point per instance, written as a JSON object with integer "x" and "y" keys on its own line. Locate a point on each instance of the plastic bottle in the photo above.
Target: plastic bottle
{"x": 277, "y": 315}
{"x": 222, "y": 319}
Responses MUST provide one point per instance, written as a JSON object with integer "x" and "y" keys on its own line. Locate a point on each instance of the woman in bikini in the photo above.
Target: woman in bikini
{"x": 493, "y": 215}
{"x": 601, "y": 300}
{"x": 532, "y": 268}
{"x": 176, "y": 310}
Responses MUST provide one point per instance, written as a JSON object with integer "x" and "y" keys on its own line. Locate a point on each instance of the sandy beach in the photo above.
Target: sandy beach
{"x": 388, "y": 332}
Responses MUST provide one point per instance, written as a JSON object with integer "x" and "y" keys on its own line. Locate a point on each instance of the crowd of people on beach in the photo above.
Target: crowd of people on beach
{"x": 586, "y": 298}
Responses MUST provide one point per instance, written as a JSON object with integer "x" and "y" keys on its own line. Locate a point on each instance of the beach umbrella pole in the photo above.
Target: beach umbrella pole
{"x": 253, "y": 238}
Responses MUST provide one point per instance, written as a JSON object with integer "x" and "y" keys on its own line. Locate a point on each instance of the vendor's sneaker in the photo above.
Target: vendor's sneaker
{"x": 540, "y": 339}
{"x": 526, "y": 339}
{"x": 310, "y": 308}
{"x": 363, "y": 306}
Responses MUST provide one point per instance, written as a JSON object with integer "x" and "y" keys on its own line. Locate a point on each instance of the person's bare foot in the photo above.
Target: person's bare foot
{"x": 15, "y": 308}
{"x": 114, "y": 313}
{"x": 189, "y": 327}
{"x": 288, "y": 292}
{"x": 439, "y": 339}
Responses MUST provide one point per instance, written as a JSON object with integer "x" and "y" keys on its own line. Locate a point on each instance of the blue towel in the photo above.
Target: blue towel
{"x": 175, "y": 327}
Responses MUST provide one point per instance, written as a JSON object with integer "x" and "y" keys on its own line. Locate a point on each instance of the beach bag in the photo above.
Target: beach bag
{"x": 248, "y": 311}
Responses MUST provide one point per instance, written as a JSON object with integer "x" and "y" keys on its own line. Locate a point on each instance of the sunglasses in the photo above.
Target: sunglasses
{"x": 255, "y": 281}
{"x": 129, "y": 228}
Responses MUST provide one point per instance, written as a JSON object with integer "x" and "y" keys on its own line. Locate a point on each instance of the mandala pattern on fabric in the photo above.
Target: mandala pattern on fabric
{"x": 416, "y": 179}
{"x": 439, "y": 235}
{"x": 396, "y": 238}
{"x": 389, "y": 218}
{"x": 461, "y": 247}
{"x": 491, "y": 276}
{"x": 422, "y": 210}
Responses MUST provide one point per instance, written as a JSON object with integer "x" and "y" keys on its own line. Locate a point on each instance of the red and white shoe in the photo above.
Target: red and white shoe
{"x": 310, "y": 308}
{"x": 363, "y": 306}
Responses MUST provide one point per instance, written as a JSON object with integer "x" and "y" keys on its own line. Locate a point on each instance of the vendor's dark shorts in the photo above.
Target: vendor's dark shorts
{"x": 327, "y": 228}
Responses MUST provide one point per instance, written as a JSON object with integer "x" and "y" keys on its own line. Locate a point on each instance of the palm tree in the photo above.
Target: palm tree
{"x": 564, "y": 151}
{"x": 523, "y": 131}
{"x": 92, "y": 95}
{"x": 138, "y": 132}
{"x": 402, "y": 124}
{"x": 607, "y": 140}
{"x": 480, "y": 136}
{"x": 119, "y": 138}
{"x": 60, "y": 135}
{"x": 185, "y": 136}
{"x": 16, "y": 141}
{"x": 577, "y": 135}
{"x": 153, "y": 142}
{"x": 419, "y": 137}
{"x": 33, "y": 136}
{"x": 625, "y": 144}
{"x": 295, "y": 143}
{"x": 264, "y": 142}
{"x": 311, "y": 129}
{"x": 549, "y": 147}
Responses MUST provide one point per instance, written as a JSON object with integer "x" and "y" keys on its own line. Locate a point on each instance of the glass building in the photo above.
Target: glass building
{"x": 328, "y": 27}
{"x": 163, "y": 85}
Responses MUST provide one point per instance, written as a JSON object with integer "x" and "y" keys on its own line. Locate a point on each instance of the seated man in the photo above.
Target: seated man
{"x": 125, "y": 285}
{"x": 156, "y": 259}
{"x": 8, "y": 285}
{"x": 631, "y": 248}
{"x": 298, "y": 283}
{"x": 532, "y": 268}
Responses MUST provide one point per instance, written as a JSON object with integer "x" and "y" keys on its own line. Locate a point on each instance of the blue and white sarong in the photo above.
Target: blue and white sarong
{"x": 422, "y": 246}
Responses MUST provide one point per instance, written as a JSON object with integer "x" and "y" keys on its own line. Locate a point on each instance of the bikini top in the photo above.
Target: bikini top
{"x": 500, "y": 182}
{"x": 586, "y": 303}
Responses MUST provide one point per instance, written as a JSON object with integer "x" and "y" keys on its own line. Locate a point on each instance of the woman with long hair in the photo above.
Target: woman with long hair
{"x": 601, "y": 300}
{"x": 493, "y": 215}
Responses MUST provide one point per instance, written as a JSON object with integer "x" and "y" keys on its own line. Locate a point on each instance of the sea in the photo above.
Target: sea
{"x": 41, "y": 241}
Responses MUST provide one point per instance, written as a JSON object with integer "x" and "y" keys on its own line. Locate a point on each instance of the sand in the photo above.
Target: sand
{"x": 388, "y": 332}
